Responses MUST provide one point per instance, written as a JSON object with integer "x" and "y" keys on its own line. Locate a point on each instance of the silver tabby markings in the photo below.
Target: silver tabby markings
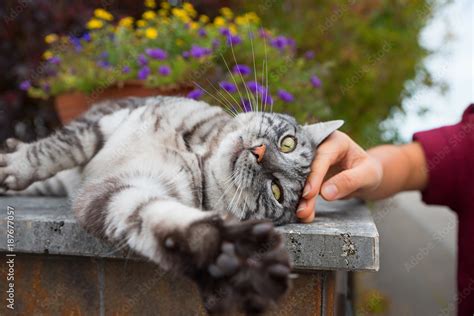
{"x": 168, "y": 176}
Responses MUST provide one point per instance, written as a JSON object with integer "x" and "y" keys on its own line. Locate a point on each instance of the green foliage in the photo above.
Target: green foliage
{"x": 193, "y": 49}
{"x": 372, "y": 48}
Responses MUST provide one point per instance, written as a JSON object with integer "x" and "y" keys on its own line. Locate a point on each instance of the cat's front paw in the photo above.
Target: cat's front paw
{"x": 250, "y": 271}
{"x": 15, "y": 170}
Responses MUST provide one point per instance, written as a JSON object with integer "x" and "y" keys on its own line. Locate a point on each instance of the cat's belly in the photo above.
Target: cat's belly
{"x": 159, "y": 157}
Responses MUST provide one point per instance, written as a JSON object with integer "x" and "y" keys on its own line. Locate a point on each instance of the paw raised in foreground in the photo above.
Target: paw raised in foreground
{"x": 169, "y": 176}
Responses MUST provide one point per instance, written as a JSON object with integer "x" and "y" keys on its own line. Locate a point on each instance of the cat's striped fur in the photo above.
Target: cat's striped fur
{"x": 161, "y": 175}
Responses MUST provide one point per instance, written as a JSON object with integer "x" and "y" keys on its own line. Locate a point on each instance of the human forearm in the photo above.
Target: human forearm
{"x": 404, "y": 169}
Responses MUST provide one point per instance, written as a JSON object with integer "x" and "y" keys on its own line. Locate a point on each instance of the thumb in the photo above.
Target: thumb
{"x": 343, "y": 184}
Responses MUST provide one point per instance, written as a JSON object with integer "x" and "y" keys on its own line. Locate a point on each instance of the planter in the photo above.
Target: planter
{"x": 73, "y": 104}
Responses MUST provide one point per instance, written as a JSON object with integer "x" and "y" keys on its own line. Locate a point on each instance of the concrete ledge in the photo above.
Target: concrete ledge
{"x": 343, "y": 236}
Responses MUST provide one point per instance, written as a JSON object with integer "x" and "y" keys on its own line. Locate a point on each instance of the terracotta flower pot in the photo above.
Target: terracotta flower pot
{"x": 73, "y": 104}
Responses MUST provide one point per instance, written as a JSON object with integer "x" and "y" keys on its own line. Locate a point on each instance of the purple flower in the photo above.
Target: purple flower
{"x": 186, "y": 54}
{"x": 202, "y": 32}
{"x": 267, "y": 98}
{"x": 198, "y": 51}
{"x": 195, "y": 94}
{"x": 309, "y": 54}
{"x": 263, "y": 33}
{"x": 46, "y": 87}
{"x": 25, "y": 85}
{"x": 142, "y": 61}
{"x": 144, "y": 72}
{"x": 86, "y": 37}
{"x": 246, "y": 105}
{"x": 228, "y": 86}
{"x": 255, "y": 87}
{"x": 279, "y": 42}
{"x": 233, "y": 40}
{"x": 225, "y": 31}
{"x": 215, "y": 43}
{"x": 164, "y": 70}
{"x": 76, "y": 42}
{"x": 156, "y": 53}
{"x": 290, "y": 42}
{"x": 285, "y": 96}
{"x": 241, "y": 69}
{"x": 103, "y": 64}
{"x": 126, "y": 69}
{"x": 315, "y": 81}
{"x": 55, "y": 60}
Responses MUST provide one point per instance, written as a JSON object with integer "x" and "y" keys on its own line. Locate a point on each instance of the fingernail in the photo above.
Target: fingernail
{"x": 301, "y": 207}
{"x": 306, "y": 190}
{"x": 329, "y": 191}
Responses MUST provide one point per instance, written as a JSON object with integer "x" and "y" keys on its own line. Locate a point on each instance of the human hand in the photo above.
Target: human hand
{"x": 350, "y": 169}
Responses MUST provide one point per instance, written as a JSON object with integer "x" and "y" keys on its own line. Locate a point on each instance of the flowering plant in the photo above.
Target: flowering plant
{"x": 230, "y": 59}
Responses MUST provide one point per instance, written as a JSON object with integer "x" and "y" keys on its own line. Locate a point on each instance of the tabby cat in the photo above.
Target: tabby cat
{"x": 169, "y": 176}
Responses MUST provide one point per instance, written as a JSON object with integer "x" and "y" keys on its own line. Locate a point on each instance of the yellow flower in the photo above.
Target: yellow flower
{"x": 188, "y": 7}
{"x": 163, "y": 12}
{"x": 149, "y": 15}
{"x": 165, "y": 20}
{"x": 179, "y": 42}
{"x": 233, "y": 29}
{"x": 141, "y": 23}
{"x": 94, "y": 24}
{"x": 103, "y": 14}
{"x": 150, "y": 4}
{"x": 193, "y": 25}
{"x": 219, "y": 21}
{"x": 181, "y": 14}
{"x": 227, "y": 12}
{"x": 126, "y": 22}
{"x": 47, "y": 54}
{"x": 151, "y": 33}
{"x": 50, "y": 38}
{"x": 203, "y": 19}
{"x": 252, "y": 17}
{"x": 241, "y": 20}
{"x": 165, "y": 5}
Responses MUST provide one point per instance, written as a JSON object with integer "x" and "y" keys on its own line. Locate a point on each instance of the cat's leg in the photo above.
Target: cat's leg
{"x": 71, "y": 146}
{"x": 240, "y": 265}
{"x": 65, "y": 183}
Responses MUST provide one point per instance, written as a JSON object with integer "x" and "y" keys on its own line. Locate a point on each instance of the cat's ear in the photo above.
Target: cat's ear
{"x": 320, "y": 131}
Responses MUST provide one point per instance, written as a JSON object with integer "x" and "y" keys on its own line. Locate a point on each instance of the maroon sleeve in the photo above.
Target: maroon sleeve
{"x": 450, "y": 160}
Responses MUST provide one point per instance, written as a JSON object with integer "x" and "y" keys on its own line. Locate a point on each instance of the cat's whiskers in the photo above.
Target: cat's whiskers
{"x": 226, "y": 188}
{"x": 231, "y": 204}
{"x": 242, "y": 78}
{"x": 213, "y": 96}
{"x": 265, "y": 72}
{"x": 254, "y": 68}
{"x": 233, "y": 78}
{"x": 229, "y": 101}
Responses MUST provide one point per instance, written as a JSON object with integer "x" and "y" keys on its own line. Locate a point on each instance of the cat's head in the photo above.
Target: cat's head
{"x": 265, "y": 161}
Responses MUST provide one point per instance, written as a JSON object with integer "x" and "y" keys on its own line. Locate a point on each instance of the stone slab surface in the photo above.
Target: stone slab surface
{"x": 342, "y": 237}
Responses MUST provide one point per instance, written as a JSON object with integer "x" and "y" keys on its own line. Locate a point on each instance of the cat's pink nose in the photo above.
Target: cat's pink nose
{"x": 259, "y": 151}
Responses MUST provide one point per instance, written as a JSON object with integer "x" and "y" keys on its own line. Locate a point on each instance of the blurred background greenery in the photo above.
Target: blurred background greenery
{"x": 370, "y": 50}
{"x": 373, "y": 49}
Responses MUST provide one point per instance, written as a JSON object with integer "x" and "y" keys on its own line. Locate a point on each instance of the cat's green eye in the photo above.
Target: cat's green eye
{"x": 276, "y": 190}
{"x": 288, "y": 144}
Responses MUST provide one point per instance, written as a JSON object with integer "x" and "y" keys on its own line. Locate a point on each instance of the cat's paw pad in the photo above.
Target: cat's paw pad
{"x": 250, "y": 272}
